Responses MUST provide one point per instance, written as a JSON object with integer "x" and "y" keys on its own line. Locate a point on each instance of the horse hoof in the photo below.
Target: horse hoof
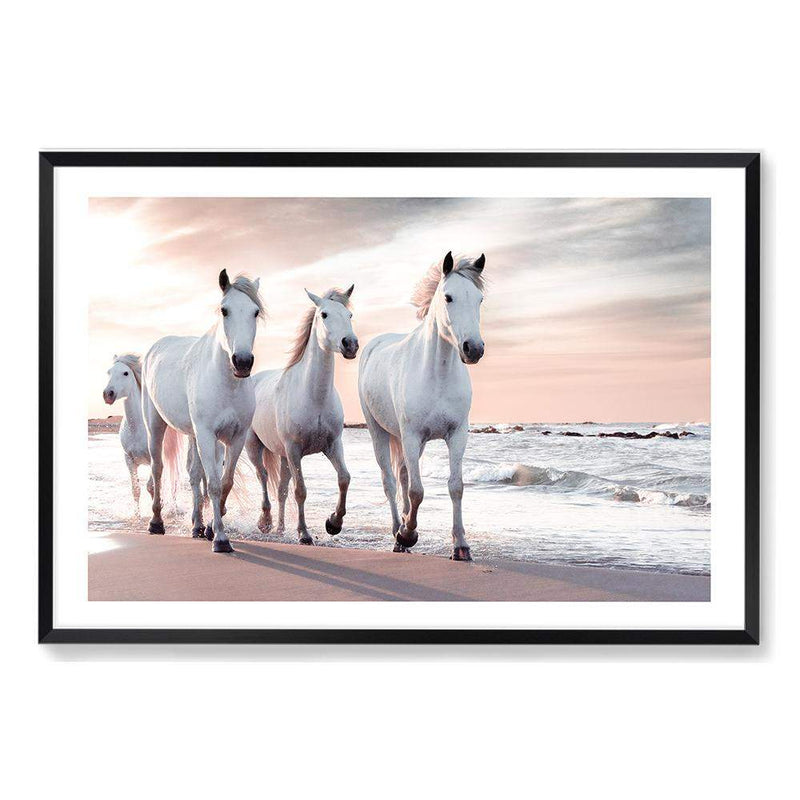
{"x": 209, "y": 533}
{"x": 461, "y": 554}
{"x": 398, "y": 548}
{"x": 265, "y": 525}
{"x": 306, "y": 540}
{"x": 221, "y": 546}
{"x": 332, "y": 528}
{"x": 199, "y": 533}
{"x": 406, "y": 538}
{"x": 156, "y": 527}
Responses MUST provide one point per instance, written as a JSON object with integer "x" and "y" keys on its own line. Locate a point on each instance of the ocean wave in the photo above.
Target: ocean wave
{"x": 523, "y": 475}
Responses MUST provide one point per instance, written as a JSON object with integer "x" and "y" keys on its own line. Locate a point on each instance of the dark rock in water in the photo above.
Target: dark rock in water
{"x": 358, "y": 425}
{"x": 108, "y": 425}
{"x": 635, "y": 435}
{"x": 627, "y": 435}
{"x": 685, "y": 433}
{"x": 626, "y": 495}
{"x": 545, "y": 433}
{"x": 492, "y": 429}
{"x": 571, "y": 433}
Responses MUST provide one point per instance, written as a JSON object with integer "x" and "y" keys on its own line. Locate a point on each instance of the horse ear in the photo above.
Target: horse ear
{"x": 224, "y": 281}
{"x": 257, "y": 283}
{"x": 480, "y": 263}
{"x": 447, "y": 264}
{"x": 350, "y": 290}
{"x": 313, "y": 298}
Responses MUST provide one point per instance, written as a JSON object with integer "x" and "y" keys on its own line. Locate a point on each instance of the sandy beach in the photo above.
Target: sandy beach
{"x": 134, "y": 566}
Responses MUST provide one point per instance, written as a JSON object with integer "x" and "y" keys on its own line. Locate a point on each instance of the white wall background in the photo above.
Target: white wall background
{"x": 296, "y": 722}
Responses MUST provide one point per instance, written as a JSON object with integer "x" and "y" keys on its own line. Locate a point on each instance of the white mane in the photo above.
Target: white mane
{"x": 303, "y": 334}
{"x": 426, "y": 288}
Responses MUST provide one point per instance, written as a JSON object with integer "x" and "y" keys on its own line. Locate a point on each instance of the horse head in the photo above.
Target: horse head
{"x": 123, "y": 376}
{"x": 333, "y": 322}
{"x": 457, "y": 306}
{"x": 240, "y": 307}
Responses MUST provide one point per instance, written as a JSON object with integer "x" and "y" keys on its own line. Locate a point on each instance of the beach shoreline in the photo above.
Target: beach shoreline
{"x": 131, "y": 566}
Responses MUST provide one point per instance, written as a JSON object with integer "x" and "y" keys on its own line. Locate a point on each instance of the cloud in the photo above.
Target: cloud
{"x": 579, "y": 288}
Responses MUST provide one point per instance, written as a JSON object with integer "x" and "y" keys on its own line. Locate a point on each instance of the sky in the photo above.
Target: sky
{"x": 596, "y": 309}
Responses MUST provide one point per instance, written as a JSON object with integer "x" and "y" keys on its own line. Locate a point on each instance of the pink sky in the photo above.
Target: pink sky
{"x": 597, "y": 309}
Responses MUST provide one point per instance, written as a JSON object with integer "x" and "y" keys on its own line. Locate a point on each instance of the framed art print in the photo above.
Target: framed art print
{"x": 399, "y": 397}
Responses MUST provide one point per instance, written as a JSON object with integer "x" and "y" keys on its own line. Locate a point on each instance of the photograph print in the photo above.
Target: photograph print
{"x": 398, "y": 402}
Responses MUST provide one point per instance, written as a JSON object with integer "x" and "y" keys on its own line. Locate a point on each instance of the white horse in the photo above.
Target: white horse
{"x": 125, "y": 383}
{"x": 298, "y": 412}
{"x": 415, "y": 387}
{"x": 202, "y": 388}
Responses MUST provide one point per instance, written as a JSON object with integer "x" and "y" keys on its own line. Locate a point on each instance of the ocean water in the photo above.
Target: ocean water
{"x": 529, "y": 495}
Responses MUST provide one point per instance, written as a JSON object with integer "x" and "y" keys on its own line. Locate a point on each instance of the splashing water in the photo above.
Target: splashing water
{"x": 529, "y": 496}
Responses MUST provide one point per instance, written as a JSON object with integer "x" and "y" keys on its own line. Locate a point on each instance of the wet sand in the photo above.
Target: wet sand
{"x": 136, "y": 566}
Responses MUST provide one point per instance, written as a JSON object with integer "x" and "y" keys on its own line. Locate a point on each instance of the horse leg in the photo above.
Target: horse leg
{"x": 402, "y": 477}
{"x": 195, "y": 469}
{"x": 220, "y": 469}
{"x": 380, "y": 444}
{"x": 293, "y": 456}
{"x": 156, "y": 428}
{"x": 412, "y": 449}
{"x": 456, "y": 445}
{"x": 232, "y": 452}
{"x": 283, "y": 493}
{"x": 207, "y": 447}
{"x": 135, "y": 488}
{"x": 335, "y": 454}
{"x": 255, "y": 452}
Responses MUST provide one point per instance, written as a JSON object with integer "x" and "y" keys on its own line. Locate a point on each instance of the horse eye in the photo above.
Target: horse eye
{"x": 255, "y": 314}
{"x": 324, "y": 315}
{"x": 224, "y": 312}
{"x": 125, "y": 374}
{"x": 448, "y": 298}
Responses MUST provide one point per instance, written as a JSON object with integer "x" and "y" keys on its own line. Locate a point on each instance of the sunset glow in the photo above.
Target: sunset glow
{"x": 597, "y": 309}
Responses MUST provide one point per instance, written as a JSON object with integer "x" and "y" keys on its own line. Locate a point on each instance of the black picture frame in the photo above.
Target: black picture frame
{"x": 749, "y": 162}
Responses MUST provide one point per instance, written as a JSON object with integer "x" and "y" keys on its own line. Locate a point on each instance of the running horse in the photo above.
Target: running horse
{"x": 201, "y": 387}
{"x": 416, "y": 387}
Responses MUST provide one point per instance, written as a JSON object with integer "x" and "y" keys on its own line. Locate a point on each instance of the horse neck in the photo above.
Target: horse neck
{"x": 316, "y": 369}
{"x": 439, "y": 355}
{"x": 132, "y": 407}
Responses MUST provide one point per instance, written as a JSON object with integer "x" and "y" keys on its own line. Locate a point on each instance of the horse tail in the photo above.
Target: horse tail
{"x": 272, "y": 464}
{"x": 244, "y": 474}
{"x": 172, "y": 454}
{"x": 239, "y": 490}
{"x": 398, "y": 462}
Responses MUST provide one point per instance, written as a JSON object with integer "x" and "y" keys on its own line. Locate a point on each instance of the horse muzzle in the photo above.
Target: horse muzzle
{"x": 109, "y": 395}
{"x": 349, "y": 347}
{"x": 472, "y": 351}
{"x": 242, "y": 364}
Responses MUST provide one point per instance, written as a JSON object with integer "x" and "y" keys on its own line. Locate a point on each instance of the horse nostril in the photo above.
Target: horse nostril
{"x": 466, "y": 348}
{"x": 242, "y": 363}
